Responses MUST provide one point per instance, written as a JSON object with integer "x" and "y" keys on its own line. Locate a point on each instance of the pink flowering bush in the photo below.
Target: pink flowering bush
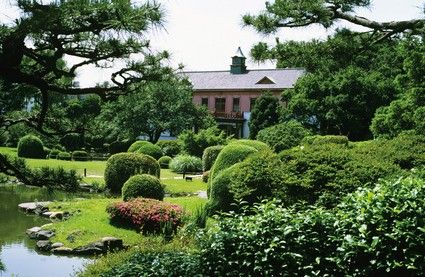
{"x": 146, "y": 215}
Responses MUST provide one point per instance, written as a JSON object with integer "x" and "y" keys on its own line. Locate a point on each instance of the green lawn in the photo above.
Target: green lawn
{"x": 90, "y": 221}
{"x": 96, "y": 169}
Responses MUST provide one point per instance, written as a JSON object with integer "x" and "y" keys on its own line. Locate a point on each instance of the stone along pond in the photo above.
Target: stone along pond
{"x": 17, "y": 252}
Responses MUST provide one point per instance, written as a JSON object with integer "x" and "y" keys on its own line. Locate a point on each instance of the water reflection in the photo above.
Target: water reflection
{"x": 17, "y": 251}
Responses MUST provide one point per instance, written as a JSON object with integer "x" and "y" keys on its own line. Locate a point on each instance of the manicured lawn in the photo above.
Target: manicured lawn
{"x": 90, "y": 221}
{"x": 183, "y": 186}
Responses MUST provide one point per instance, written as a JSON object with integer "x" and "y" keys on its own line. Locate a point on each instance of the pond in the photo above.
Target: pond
{"x": 17, "y": 251}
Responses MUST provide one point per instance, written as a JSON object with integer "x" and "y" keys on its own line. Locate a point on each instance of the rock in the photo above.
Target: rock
{"x": 34, "y": 207}
{"x": 90, "y": 249}
{"x": 57, "y": 215}
{"x": 32, "y": 232}
{"x": 62, "y": 250}
{"x": 44, "y": 235}
{"x": 56, "y": 245}
{"x": 111, "y": 243}
{"x": 44, "y": 245}
{"x": 46, "y": 214}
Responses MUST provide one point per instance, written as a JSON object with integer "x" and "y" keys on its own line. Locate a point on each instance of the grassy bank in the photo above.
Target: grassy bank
{"x": 90, "y": 221}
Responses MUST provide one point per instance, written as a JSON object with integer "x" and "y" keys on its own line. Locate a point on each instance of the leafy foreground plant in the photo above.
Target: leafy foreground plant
{"x": 373, "y": 232}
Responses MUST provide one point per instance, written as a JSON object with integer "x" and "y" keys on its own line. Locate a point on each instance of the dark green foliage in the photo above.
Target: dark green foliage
{"x": 326, "y": 172}
{"x": 72, "y": 141}
{"x": 151, "y": 150}
{"x": 158, "y": 265}
{"x": 256, "y": 178}
{"x": 64, "y": 156}
{"x": 195, "y": 143}
{"x": 264, "y": 114}
{"x": 144, "y": 185}
{"x": 54, "y": 153}
{"x": 80, "y": 156}
{"x": 209, "y": 156}
{"x": 137, "y": 144}
{"x": 284, "y": 135}
{"x": 164, "y": 161}
{"x": 15, "y": 133}
{"x": 373, "y": 232}
{"x": 230, "y": 155}
{"x": 31, "y": 147}
{"x": 57, "y": 178}
{"x": 169, "y": 147}
{"x": 4, "y": 136}
{"x": 186, "y": 164}
{"x": 258, "y": 145}
{"x": 119, "y": 146}
{"x": 316, "y": 140}
{"x": 120, "y": 167}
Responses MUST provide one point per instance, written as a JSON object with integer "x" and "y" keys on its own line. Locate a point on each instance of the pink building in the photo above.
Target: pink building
{"x": 230, "y": 95}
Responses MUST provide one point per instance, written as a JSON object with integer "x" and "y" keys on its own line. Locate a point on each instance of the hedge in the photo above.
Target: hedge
{"x": 144, "y": 185}
{"x": 64, "y": 156}
{"x": 80, "y": 155}
{"x": 169, "y": 147}
{"x": 137, "y": 144}
{"x": 120, "y": 167}
{"x": 164, "y": 161}
{"x": 31, "y": 146}
{"x": 315, "y": 140}
{"x": 151, "y": 150}
{"x": 209, "y": 156}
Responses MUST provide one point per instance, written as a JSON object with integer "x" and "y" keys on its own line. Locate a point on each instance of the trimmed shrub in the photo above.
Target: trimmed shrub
{"x": 258, "y": 145}
{"x": 316, "y": 140}
{"x": 326, "y": 172}
{"x": 118, "y": 146}
{"x": 65, "y": 156}
{"x": 256, "y": 178}
{"x": 151, "y": 150}
{"x": 164, "y": 161}
{"x": 137, "y": 144}
{"x": 284, "y": 135}
{"x": 120, "y": 167}
{"x": 31, "y": 147}
{"x": 146, "y": 215}
{"x": 230, "y": 155}
{"x": 80, "y": 156}
{"x": 169, "y": 147}
{"x": 186, "y": 164}
{"x": 209, "y": 156}
{"x": 54, "y": 153}
{"x": 373, "y": 232}
{"x": 144, "y": 185}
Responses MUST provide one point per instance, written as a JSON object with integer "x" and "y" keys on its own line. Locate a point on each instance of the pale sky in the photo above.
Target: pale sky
{"x": 204, "y": 34}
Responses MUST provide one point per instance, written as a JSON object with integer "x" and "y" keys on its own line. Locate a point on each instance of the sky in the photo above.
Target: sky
{"x": 204, "y": 34}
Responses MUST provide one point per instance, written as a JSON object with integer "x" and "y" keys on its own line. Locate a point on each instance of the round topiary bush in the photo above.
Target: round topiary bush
{"x": 80, "y": 156}
{"x": 258, "y": 145}
{"x": 137, "y": 144}
{"x": 65, "y": 156}
{"x": 151, "y": 150}
{"x": 317, "y": 140}
{"x": 185, "y": 164}
{"x": 164, "y": 161}
{"x": 284, "y": 135}
{"x": 54, "y": 153}
{"x": 209, "y": 156}
{"x": 120, "y": 167}
{"x": 144, "y": 185}
{"x": 230, "y": 155}
{"x": 169, "y": 147}
{"x": 31, "y": 146}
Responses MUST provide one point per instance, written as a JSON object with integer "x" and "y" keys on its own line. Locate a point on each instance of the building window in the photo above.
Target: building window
{"x": 252, "y": 103}
{"x": 220, "y": 105}
{"x": 204, "y": 101}
{"x": 236, "y": 106}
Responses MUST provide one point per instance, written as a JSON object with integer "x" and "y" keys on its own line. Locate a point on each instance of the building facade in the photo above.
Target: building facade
{"x": 230, "y": 95}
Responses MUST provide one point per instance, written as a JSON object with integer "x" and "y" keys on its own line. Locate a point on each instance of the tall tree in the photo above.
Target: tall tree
{"x": 349, "y": 75}
{"x": 154, "y": 108}
{"x": 102, "y": 33}
{"x": 264, "y": 114}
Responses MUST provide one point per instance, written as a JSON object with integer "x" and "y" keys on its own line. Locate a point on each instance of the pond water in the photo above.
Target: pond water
{"x": 17, "y": 251}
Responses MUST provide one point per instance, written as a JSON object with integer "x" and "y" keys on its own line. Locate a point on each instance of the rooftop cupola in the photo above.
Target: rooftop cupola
{"x": 238, "y": 63}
